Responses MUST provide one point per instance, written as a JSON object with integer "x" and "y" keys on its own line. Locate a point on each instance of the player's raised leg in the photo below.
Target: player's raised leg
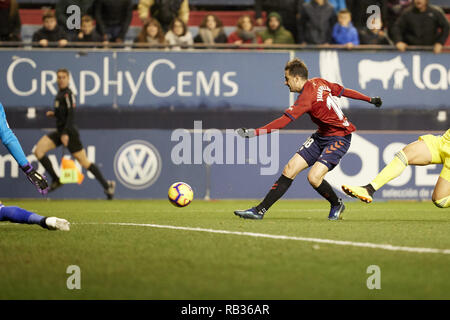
{"x": 415, "y": 153}
{"x": 44, "y": 145}
{"x": 295, "y": 165}
{"x": 19, "y": 215}
{"x": 108, "y": 186}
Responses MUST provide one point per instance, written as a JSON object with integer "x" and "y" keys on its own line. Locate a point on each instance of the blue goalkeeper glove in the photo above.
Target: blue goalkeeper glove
{"x": 36, "y": 178}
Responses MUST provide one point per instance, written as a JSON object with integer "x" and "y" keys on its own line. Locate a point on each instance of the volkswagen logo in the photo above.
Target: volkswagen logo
{"x": 137, "y": 164}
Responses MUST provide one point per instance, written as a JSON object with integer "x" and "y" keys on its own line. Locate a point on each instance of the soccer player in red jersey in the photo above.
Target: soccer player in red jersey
{"x": 324, "y": 149}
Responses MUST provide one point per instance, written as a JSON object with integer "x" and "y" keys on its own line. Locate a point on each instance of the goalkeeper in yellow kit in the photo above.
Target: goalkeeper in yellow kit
{"x": 428, "y": 149}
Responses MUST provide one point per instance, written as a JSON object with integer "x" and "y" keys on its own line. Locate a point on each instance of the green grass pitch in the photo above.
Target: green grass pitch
{"x": 143, "y": 262}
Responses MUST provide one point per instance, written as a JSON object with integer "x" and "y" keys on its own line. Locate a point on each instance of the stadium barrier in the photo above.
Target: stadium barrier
{"x": 216, "y": 163}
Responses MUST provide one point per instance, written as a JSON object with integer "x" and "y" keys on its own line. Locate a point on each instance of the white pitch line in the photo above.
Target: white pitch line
{"x": 281, "y": 237}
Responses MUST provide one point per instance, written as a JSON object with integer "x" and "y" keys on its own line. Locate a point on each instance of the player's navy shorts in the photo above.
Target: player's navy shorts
{"x": 74, "y": 145}
{"x": 326, "y": 150}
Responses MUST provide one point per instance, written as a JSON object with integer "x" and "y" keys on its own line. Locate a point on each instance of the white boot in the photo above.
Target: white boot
{"x": 54, "y": 223}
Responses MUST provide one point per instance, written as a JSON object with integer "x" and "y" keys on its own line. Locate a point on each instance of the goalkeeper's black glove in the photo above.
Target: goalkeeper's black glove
{"x": 246, "y": 133}
{"x": 36, "y": 178}
{"x": 376, "y": 101}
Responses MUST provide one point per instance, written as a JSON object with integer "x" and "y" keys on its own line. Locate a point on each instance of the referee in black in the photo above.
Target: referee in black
{"x": 67, "y": 134}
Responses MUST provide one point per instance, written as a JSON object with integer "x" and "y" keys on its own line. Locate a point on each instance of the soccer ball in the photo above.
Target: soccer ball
{"x": 180, "y": 194}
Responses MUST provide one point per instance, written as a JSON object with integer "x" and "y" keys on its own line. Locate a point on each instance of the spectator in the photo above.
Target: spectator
{"x": 50, "y": 32}
{"x": 179, "y": 35}
{"x": 88, "y": 32}
{"x": 288, "y": 10}
{"x": 164, "y": 11}
{"x": 9, "y": 21}
{"x": 394, "y": 10}
{"x": 421, "y": 25}
{"x": 245, "y": 32}
{"x": 360, "y": 16}
{"x": 275, "y": 33}
{"x": 151, "y": 33}
{"x": 211, "y": 31}
{"x": 62, "y": 15}
{"x": 374, "y": 35}
{"x": 343, "y": 31}
{"x": 113, "y": 18}
{"x": 317, "y": 19}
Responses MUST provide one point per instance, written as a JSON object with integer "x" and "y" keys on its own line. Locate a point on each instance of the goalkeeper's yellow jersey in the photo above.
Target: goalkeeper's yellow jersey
{"x": 445, "y": 148}
{"x": 446, "y": 136}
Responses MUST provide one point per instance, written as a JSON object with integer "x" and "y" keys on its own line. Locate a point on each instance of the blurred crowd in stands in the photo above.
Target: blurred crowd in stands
{"x": 350, "y": 23}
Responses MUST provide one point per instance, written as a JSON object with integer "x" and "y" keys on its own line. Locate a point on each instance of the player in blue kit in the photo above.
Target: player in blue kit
{"x": 16, "y": 214}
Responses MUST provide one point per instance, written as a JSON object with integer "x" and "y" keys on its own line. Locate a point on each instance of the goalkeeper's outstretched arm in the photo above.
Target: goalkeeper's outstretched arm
{"x": 10, "y": 141}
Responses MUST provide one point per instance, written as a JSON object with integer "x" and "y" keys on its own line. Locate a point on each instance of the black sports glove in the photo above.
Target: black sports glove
{"x": 246, "y": 133}
{"x": 36, "y": 178}
{"x": 376, "y": 101}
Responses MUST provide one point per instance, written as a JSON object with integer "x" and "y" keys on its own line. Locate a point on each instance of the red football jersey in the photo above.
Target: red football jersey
{"x": 318, "y": 99}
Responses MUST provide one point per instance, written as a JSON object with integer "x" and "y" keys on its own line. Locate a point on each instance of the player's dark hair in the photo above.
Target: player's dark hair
{"x": 297, "y": 67}
{"x": 64, "y": 70}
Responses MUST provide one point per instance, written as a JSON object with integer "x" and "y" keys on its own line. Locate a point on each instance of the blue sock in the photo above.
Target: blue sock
{"x": 19, "y": 215}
